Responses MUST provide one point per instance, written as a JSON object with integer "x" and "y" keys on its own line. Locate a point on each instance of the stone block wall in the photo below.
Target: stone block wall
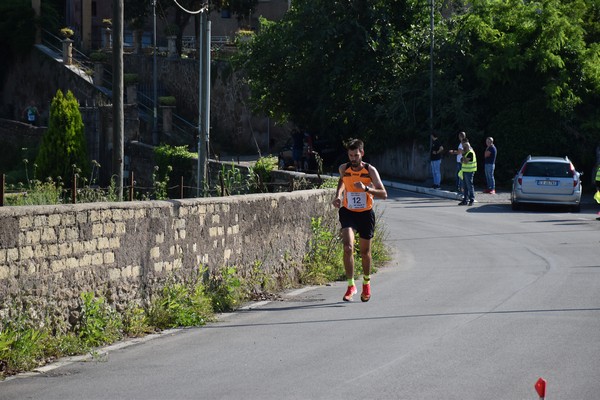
{"x": 126, "y": 251}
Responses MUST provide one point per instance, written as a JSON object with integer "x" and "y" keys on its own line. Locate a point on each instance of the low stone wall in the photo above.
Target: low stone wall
{"x": 126, "y": 251}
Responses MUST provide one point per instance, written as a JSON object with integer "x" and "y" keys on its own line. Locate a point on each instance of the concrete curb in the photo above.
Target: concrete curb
{"x": 424, "y": 190}
{"x": 480, "y": 197}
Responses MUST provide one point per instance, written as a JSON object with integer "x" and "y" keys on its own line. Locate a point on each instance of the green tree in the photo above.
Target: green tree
{"x": 527, "y": 73}
{"x": 531, "y": 76}
{"x": 344, "y": 68}
{"x": 63, "y": 145}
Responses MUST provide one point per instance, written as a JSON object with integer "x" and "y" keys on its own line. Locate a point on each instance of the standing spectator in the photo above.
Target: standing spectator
{"x": 459, "y": 152}
{"x": 435, "y": 158}
{"x": 308, "y": 152}
{"x": 297, "y": 148}
{"x": 469, "y": 166}
{"x": 31, "y": 113}
{"x": 490, "y": 165}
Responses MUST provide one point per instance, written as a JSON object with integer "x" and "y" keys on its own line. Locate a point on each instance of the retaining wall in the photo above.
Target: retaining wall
{"x": 126, "y": 251}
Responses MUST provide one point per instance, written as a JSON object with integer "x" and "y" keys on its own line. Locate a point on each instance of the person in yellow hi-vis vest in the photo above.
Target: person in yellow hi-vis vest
{"x": 469, "y": 166}
{"x": 359, "y": 183}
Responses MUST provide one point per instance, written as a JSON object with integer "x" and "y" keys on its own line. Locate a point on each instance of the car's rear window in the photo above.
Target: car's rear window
{"x": 548, "y": 169}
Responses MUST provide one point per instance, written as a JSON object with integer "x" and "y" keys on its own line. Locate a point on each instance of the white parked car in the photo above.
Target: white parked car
{"x": 547, "y": 180}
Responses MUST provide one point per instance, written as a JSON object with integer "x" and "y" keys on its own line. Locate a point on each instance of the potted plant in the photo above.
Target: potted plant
{"x": 167, "y": 101}
{"x": 130, "y": 79}
{"x": 107, "y": 22}
{"x": 67, "y": 32}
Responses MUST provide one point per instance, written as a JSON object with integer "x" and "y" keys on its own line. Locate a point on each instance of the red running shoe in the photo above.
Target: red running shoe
{"x": 366, "y": 292}
{"x": 350, "y": 292}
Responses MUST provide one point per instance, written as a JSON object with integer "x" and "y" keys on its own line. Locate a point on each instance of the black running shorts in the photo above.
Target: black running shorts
{"x": 362, "y": 222}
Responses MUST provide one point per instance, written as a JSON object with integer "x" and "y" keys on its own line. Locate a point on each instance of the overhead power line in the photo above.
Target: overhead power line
{"x": 204, "y": 8}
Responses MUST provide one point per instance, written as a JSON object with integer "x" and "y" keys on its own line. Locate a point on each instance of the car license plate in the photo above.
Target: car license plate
{"x": 547, "y": 183}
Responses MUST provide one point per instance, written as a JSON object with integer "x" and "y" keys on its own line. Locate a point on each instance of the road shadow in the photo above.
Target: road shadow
{"x": 389, "y": 317}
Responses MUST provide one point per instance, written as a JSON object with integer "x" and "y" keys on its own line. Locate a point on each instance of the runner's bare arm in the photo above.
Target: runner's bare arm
{"x": 337, "y": 201}
{"x": 376, "y": 188}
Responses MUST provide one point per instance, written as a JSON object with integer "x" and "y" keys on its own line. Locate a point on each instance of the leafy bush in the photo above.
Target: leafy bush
{"x": 136, "y": 322}
{"x": 178, "y": 158}
{"x": 100, "y": 324}
{"x": 21, "y": 345}
{"x": 261, "y": 173}
{"x": 181, "y": 305}
{"x": 35, "y": 193}
{"x": 231, "y": 181}
{"x": 329, "y": 183}
{"x": 324, "y": 261}
{"x": 227, "y": 290}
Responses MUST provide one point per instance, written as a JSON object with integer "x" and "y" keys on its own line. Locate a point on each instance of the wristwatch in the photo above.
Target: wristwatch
{"x": 366, "y": 188}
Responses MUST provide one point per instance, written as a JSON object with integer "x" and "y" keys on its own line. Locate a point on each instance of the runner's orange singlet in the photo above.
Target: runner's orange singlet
{"x": 356, "y": 199}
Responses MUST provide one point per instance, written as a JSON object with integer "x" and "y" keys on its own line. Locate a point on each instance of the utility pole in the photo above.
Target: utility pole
{"x": 200, "y": 184}
{"x": 203, "y": 98}
{"x": 117, "y": 95}
{"x": 154, "y": 82}
{"x": 432, "y": 40}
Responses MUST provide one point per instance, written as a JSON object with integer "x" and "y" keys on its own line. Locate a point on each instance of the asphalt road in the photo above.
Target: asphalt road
{"x": 478, "y": 303}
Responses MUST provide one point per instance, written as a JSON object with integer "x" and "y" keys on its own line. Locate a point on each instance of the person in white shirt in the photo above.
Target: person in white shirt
{"x": 459, "y": 152}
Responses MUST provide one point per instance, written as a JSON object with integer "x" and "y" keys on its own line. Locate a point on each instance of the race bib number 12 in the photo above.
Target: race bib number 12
{"x": 357, "y": 200}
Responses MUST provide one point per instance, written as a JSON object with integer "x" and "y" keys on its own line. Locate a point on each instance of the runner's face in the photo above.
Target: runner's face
{"x": 355, "y": 157}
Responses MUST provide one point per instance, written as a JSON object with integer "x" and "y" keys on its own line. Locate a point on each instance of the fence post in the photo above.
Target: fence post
{"x": 222, "y": 185}
{"x": 181, "y": 188}
{"x": 131, "y": 186}
{"x": 74, "y": 189}
{"x": 1, "y": 190}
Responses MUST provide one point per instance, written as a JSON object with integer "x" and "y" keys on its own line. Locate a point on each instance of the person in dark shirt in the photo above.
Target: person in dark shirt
{"x": 31, "y": 114}
{"x": 490, "y": 165}
{"x": 435, "y": 158}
